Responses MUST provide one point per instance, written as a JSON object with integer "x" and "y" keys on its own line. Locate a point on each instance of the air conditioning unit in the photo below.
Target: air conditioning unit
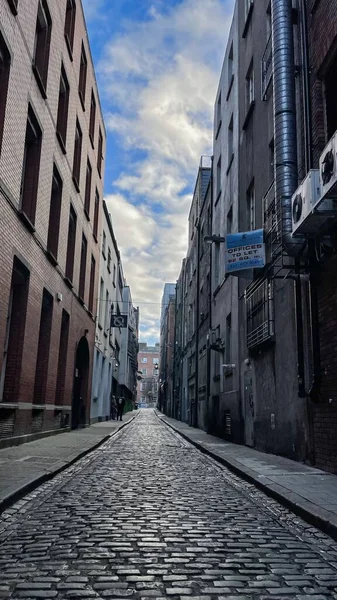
{"x": 312, "y": 213}
{"x": 328, "y": 169}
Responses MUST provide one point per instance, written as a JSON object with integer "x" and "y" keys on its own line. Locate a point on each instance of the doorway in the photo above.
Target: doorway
{"x": 81, "y": 380}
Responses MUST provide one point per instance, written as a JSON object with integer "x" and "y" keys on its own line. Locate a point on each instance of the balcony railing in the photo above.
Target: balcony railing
{"x": 266, "y": 69}
{"x": 259, "y": 313}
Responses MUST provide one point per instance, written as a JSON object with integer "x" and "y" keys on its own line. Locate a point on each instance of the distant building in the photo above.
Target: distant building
{"x": 127, "y": 358}
{"x": 167, "y": 338}
{"x": 52, "y": 140}
{"x": 107, "y": 339}
{"x": 148, "y": 375}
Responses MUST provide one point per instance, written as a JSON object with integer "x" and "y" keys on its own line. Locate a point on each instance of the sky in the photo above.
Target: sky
{"x": 158, "y": 65}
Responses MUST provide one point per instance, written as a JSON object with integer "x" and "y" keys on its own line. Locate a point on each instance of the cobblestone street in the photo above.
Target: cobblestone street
{"x": 148, "y": 516}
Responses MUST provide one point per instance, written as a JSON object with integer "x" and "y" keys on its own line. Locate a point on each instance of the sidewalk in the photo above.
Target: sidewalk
{"x": 23, "y": 468}
{"x": 308, "y": 492}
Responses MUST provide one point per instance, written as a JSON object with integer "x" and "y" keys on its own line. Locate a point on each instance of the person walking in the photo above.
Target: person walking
{"x": 120, "y": 408}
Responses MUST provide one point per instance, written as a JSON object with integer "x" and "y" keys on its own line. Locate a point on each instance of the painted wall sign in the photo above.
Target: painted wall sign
{"x": 245, "y": 251}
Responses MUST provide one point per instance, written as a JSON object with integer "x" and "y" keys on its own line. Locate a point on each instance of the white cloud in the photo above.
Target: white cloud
{"x": 159, "y": 79}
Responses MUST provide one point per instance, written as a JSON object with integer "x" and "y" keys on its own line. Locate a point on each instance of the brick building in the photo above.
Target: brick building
{"x": 52, "y": 142}
{"x": 148, "y": 370}
{"x": 322, "y": 62}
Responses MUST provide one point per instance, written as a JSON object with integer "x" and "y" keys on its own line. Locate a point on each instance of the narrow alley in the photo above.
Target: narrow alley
{"x": 148, "y": 516}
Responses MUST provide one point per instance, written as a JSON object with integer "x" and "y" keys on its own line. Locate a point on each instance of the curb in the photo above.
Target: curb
{"x": 9, "y": 500}
{"x": 296, "y": 506}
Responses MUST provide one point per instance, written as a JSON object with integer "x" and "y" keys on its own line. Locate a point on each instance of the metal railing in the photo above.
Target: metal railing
{"x": 259, "y": 312}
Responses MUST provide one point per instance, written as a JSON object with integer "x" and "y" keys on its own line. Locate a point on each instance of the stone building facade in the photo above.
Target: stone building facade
{"x": 148, "y": 371}
{"x": 51, "y": 184}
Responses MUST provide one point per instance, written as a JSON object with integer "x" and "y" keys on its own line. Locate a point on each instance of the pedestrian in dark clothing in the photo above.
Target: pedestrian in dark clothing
{"x": 120, "y": 408}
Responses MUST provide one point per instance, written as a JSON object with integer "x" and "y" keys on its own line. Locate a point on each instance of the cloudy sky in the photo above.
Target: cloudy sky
{"x": 158, "y": 64}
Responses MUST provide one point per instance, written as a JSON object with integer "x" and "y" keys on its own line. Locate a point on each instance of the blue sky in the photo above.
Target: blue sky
{"x": 157, "y": 63}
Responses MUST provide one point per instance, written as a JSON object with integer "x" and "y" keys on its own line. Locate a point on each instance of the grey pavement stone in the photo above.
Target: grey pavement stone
{"x": 147, "y": 516}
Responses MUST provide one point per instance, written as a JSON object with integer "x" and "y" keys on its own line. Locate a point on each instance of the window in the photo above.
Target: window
{"x": 88, "y": 190}
{"x": 114, "y": 276}
{"x": 230, "y": 68}
{"x": 55, "y": 214}
{"x": 77, "y": 156}
{"x": 120, "y": 280}
{"x": 42, "y": 46}
{"x": 96, "y": 214}
{"x": 13, "y": 4}
{"x": 230, "y": 142}
{"x": 218, "y": 115}
{"x": 249, "y": 87}
{"x": 218, "y": 178}
{"x": 228, "y": 346}
{"x": 101, "y": 302}
{"x": 271, "y": 160}
{"x": 100, "y": 152}
{"x": 155, "y": 361}
{"x": 62, "y": 359}
{"x": 15, "y": 333}
{"x": 144, "y": 359}
{"x": 251, "y": 207}
{"x": 216, "y": 247}
{"x": 144, "y": 371}
{"x": 83, "y": 76}
{"x": 106, "y": 317}
{"x": 248, "y": 7}
{"x": 62, "y": 112}
{"x": 104, "y": 244}
{"x": 83, "y": 267}
{"x": 5, "y": 64}
{"x": 92, "y": 285}
{"x": 230, "y": 220}
{"x": 71, "y": 244}
{"x": 31, "y": 167}
{"x": 69, "y": 26}
{"x": 92, "y": 118}
{"x": 109, "y": 260}
{"x": 41, "y": 371}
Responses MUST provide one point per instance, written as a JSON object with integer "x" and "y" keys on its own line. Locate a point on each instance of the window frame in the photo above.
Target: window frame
{"x": 82, "y": 81}
{"x": 63, "y": 110}
{"x": 69, "y": 32}
{"x": 55, "y": 216}
{"x": 40, "y": 65}
{"x": 76, "y": 172}
{"x": 4, "y": 84}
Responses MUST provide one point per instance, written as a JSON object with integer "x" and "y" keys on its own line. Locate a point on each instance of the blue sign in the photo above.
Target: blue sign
{"x": 245, "y": 251}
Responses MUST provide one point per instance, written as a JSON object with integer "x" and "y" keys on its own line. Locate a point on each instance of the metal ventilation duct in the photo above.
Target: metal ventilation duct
{"x": 285, "y": 143}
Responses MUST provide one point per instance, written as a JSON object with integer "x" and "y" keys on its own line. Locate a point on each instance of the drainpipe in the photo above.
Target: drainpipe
{"x": 285, "y": 164}
{"x": 285, "y": 143}
{"x": 314, "y": 313}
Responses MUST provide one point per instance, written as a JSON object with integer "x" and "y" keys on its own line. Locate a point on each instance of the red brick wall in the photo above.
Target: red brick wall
{"x": 15, "y": 238}
{"x": 322, "y": 25}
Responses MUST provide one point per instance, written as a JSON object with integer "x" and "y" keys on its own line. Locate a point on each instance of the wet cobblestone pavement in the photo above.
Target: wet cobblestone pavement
{"x": 148, "y": 516}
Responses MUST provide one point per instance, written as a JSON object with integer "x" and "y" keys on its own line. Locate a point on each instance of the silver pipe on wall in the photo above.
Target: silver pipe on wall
{"x": 285, "y": 142}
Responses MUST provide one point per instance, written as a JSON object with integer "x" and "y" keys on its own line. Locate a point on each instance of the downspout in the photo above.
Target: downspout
{"x": 285, "y": 144}
{"x": 314, "y": 313}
